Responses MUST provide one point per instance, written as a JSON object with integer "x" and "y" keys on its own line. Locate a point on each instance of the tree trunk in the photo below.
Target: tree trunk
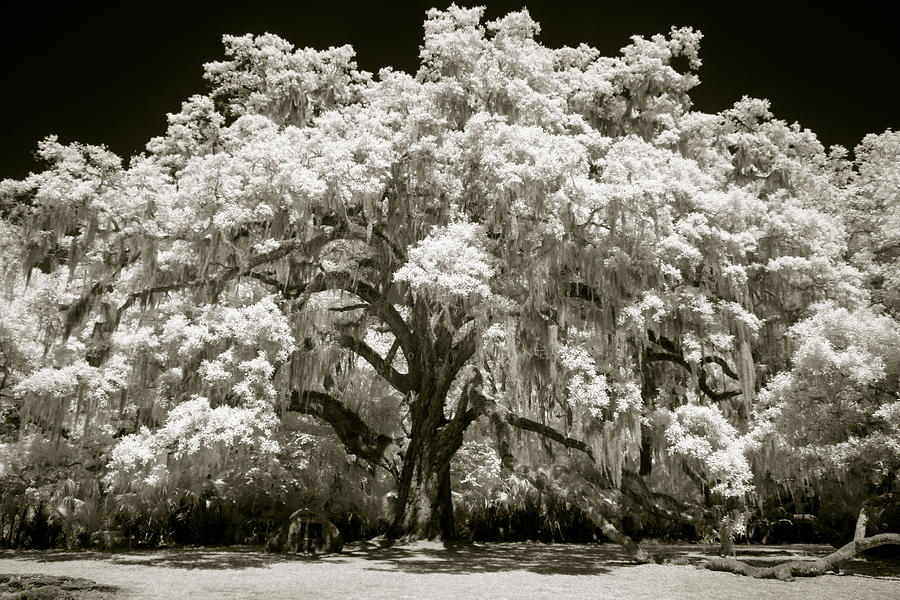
{"x": 648, "y": 394}
{"x": 726, "y": 536}
{"x": 803, "y": 568}
{"x": 861, "y": 523}
{"x": 646, "y": 465}
{"x": 424, "y": 507}
{"x": 22, "y": 518}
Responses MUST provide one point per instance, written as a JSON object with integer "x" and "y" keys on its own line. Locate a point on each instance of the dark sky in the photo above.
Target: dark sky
{"x": 97, "y": 73}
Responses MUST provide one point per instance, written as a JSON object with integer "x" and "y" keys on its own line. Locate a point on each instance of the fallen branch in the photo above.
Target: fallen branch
{"x": 802, "y": 568}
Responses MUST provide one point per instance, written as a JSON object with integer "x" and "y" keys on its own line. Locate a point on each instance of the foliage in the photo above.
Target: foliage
{"x": 516, "y": 236}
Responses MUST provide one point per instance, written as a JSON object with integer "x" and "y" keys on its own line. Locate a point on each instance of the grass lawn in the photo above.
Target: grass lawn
{"x": 424, "y": 570}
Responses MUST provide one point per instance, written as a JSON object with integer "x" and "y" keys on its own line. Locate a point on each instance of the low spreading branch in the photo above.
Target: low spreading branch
{"x": 726, "y": 369}
{"x": 357, "y": 437}
{"x": 592, "y": 507}
{"x": 548, "y": 432}
{"x": 803, "y": 568}
{"x": 398, "y": 380}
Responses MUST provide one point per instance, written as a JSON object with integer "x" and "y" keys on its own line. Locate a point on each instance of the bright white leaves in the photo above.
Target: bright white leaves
{"x": 267, "y": 76}
{"x": 513, "y": 178}
{"x": 588, "y": 387}
{"x": 450, "y": 263}
{"x": 476, "y": 468}
{"x": 702, "y": 433}
{"x": 192, "y": 132}
{"x": 258, "y": 172}
{"x": 453, "y": 38}
{"x": 874, "y": 215}
{"x": 64, "y": 397}
{"x": 78, "y": 173}
{"x": 646, "y": 179}
{"x": 839, "y": 394}
{"x": 836, "y": 342}
{"x": 193, "y": 428}
{"x": 246, "y": 343}
{"x": 263, "y": 173}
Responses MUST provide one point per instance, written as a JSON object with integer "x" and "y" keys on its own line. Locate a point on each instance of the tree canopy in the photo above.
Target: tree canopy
{"x": 539, "y": 263}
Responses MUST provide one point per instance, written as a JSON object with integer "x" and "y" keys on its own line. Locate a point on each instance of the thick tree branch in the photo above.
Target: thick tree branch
{"x": 702, "y": 382}
{"x": 395, "y": 249}
{"x": 592, "y": 507}
{"x": 803, "y": 568}
{"x": 378, "y": 304}
{"x": 727, "y": 370}
{"x": 473, "y": 403}
{"x": 548, "y": 432}
{"x": 267, "y": 280}
{"x": 348, "y": 308}
{"x": 400, "y": 381}
{"x": 463, "y": 350}
{"x": 217, "y": 280}
{"x": 357, "y": 437}
{"x": 668, "y": 357}
{"x": 392, "y": 352}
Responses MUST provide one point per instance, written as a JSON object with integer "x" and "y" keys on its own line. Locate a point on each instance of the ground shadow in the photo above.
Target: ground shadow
{"x": 12, "y": 585}
{"x": 231, "y": 557}
{"x": 460, "y": 558}
{"x": 54, "y": 555}
{"x": 209, "y": 558}
{"x": 546, "y": 559}
{"x": 561, "y": 559}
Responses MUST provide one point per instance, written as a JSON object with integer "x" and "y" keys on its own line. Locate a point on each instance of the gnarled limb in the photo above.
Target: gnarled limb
{"x": 802, "y": 568}
{"x": 679, "y": 360}
{"x": 548, "y": 432}
{"x": 633, "y": 486}
{"x": 660, "y": 506}
{"x": 357, "y": 437}
{"x": 400, "y": 381}
{"x": 592, "y": 507}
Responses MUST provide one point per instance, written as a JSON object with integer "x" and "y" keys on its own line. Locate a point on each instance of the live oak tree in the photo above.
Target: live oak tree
{"x": 519, "y": 240}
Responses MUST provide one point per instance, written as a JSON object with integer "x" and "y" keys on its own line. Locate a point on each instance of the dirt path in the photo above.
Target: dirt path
{"x": 493, "y": 571}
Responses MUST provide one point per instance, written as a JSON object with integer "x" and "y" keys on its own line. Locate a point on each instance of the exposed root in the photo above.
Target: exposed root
{"x": 802, "y": 568}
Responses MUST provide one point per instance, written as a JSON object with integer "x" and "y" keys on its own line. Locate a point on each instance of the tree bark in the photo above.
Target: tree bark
{"x": 648, "y": 394}
{"x": 861, "y": 522}
{"x": 424, "y": 507}
{"x": 802, "y": 568}
{"x": 357, "y": 437}
{"x": 22, "y": 518}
